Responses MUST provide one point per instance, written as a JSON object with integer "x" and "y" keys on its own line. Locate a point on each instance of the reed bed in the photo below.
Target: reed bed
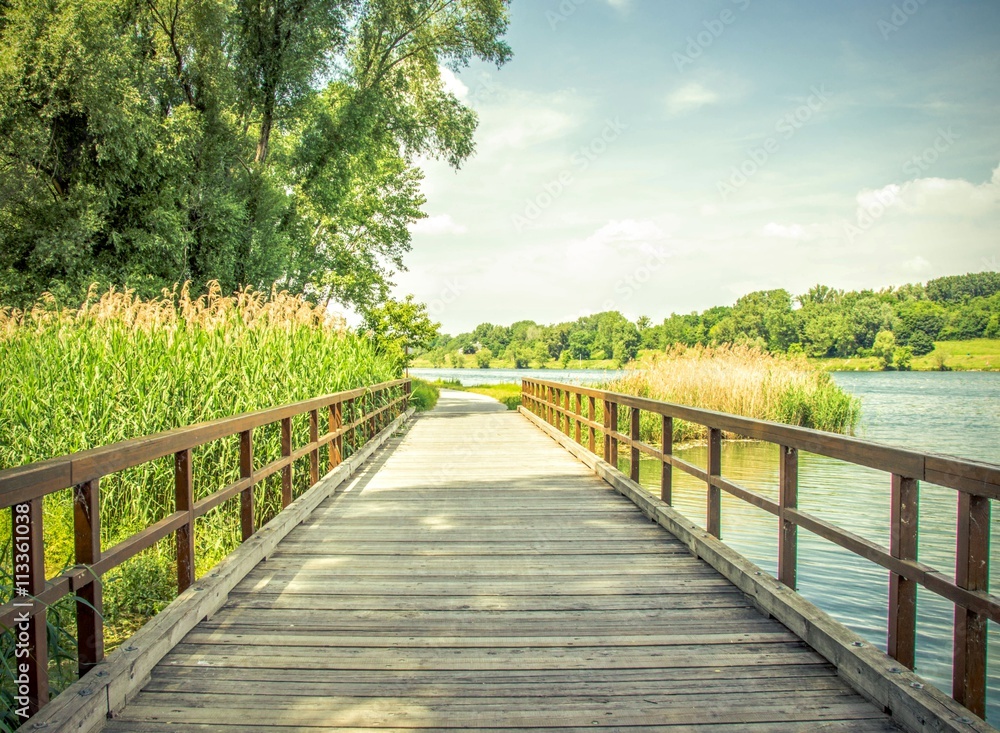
{"x": 739, "y": 380}
{"x": 119, "y": 367}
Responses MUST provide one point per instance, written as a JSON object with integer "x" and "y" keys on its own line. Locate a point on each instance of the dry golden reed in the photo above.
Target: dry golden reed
{"x": 739, "y": 380}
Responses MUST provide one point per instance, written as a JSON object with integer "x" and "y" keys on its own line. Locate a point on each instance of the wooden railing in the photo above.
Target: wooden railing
{"x": 976, "y": 485}
{"x": 356, "y": 415}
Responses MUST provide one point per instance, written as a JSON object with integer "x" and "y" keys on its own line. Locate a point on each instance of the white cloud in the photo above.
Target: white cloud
{"x": 616, "y": 238}
{"x": 517, "y": 119}
{"x": 689, "y": 98}
{"x": 917, "y": 265}
{"x": 453, "y": 84}
{"x": 438, "y": 225}
{"x": 785, "y": 231}
{"x": 934, "y": 197}
{"x": 619, "y": 4}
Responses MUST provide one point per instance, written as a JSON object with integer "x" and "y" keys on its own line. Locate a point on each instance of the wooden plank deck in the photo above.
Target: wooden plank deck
{"x": 476, "y": 576}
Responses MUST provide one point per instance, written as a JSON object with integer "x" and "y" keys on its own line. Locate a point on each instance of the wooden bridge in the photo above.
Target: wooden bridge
{"x": 463, "y": 570}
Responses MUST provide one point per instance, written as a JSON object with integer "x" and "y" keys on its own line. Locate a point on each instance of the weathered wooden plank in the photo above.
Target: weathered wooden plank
{"x": 482, "y": 579}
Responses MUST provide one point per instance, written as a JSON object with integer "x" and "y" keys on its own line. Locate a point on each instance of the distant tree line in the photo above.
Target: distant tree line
{"x": 892, "y": 324}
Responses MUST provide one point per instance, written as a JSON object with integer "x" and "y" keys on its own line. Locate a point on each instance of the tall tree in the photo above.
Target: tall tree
{"x": 145, "y": 142}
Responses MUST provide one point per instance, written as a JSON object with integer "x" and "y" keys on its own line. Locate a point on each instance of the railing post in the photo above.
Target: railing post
{"x": 548, "y": 404}
{"x": 246, "y": 496}
{"x": 29, "y": 581}
{"x": 634, "y": 435}
{"x": 611, "y": 426}
{"x": 714, "y": 465}
{"x": 666, "y": 468}
{"x": 972, "y": 571}
{"x": 184, "y": 502}
{"x": 556, "y": 404}
{"x": 904, "y": 511}
{"x": 578, "y": 409}
{"x": 788, "y": 498}
{"x": 592, "y": 414}
{"x": 348, "y": 415}
{"x": 89, "y": 605}
{"x": 314, "y": 453}
{"x": 286, "y": 472}
{"x": 336, "y": 446}
{"x": 567, "y": 424}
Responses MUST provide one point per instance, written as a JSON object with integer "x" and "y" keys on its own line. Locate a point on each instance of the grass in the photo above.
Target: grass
{"x": 424, "y": 395}
{"x": 507, "y": 394}
{"x": 119, "y": 367}
{"x": 741, "y": 381}
{"x": 973, "y": 355}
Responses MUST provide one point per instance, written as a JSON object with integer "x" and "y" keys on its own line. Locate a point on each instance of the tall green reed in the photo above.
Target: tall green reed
{"x": 120, "y": 367}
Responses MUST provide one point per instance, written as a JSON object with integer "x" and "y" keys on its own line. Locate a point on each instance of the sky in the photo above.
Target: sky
{"x": 658, "y": 156}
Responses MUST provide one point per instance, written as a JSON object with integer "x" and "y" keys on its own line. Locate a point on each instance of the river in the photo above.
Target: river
{"x": 956, "y": 413}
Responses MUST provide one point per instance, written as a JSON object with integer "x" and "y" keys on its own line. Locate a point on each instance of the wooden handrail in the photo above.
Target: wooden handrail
{"x": 976, "y": 484}
{"x": 23, "y": 489}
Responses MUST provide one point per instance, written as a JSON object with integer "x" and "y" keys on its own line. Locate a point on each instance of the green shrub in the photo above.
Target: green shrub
{"x": 424, "y": 395}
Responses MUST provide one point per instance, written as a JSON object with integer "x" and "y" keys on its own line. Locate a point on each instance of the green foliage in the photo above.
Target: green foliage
{"x": 424, "y": 395}
{"x": 508, "y": 394}
{"x": 149, "y": 143}
{"x": 902, "y": 357}
{"x": 398, "y": 326}
{"x": 884, "y": 348}
{"x": 828, "y": 323}
{"x": 483, "y": 358}
{"x": 920, "y": 343}
{"x": 120, "y": 368}
{"x": 959, "y": 288}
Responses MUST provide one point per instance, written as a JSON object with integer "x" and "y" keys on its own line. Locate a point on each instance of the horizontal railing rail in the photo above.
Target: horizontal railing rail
{"x": 976, "y": 484}
{"x": 357, "y": 415}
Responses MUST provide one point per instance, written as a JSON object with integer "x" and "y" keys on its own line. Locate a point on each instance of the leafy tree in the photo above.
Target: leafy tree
{"x": 922, "y": 316}
{"x": 147, "y": 143}
{"x": 483, "y": 358}
{"x": 884, "y": 347}
{"x": 958, "y": 288}
{"x": 400, "y": 326}
{"x": 920, "y": 343}
{"x": 540, "y": 354}
{"x": 902, "y": 356}
{"x": 579, "y": 344}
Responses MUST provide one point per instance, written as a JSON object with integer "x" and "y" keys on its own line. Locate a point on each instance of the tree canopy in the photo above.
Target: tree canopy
{"x": 150, "y": 142}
